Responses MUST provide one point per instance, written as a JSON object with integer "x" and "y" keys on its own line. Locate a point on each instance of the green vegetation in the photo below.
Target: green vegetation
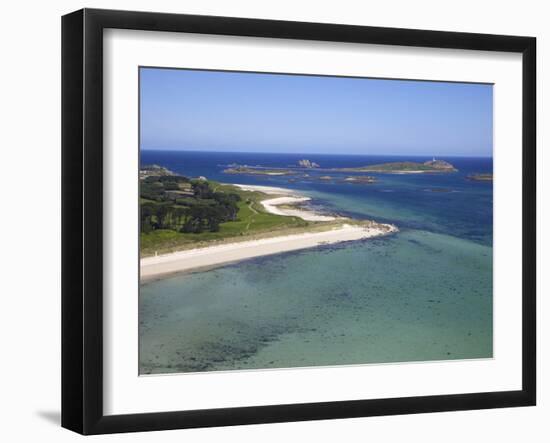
{"x": 178, "y": 213}
{"x": 396, "y": 167}
{"x": 178, "y": 204}
{"x": 392, "y": 167}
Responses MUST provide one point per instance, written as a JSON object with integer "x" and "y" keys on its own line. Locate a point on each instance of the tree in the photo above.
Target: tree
{"x": 178, "y": 215}
{"x": 228, "y": 202}
{"x": 206, "y": 210}
{"x": 146, "y": 215}
{"x": 171, "y": 186}
{"x": 162, "y": 214}
{"x": 202, "y": 189}
{"x": 195, "y": 220}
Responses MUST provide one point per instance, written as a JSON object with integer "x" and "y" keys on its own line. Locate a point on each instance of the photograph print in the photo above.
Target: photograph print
{"x": 295, "y": 221}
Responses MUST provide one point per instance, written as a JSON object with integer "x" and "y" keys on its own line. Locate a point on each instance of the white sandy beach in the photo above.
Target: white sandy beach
{"x": 272, "y": 205}
{"x": 217, "y": 255}
{"x": 289, "y": 198}
{"x": 212, "y": 256}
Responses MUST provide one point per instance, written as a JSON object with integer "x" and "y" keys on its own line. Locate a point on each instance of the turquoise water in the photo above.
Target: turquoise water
{"x": 422, "y": 294}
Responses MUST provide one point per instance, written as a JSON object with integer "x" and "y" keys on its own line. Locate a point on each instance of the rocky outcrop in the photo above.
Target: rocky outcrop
{"x": 307, "y": 164}
{"x": 360, "y": 179}
{"x": 439, "y": 164}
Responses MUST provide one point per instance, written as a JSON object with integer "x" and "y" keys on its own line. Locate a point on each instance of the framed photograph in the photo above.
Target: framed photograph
{"x": 268, "y": 221}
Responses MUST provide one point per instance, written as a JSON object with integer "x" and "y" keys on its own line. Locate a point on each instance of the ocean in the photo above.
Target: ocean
{"x": 422, "y": 294}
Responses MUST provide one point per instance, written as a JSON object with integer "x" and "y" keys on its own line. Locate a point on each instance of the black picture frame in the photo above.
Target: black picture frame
{"x": 82, "y": 218}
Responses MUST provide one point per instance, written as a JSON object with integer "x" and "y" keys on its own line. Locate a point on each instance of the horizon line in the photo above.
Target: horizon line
{"x": 311, "y": 153}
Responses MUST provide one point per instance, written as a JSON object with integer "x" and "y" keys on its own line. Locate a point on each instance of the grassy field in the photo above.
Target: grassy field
{"x": 252, "y": 221}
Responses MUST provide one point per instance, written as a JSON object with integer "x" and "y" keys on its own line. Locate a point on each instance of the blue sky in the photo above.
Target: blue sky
{"x": 249, "y": 112}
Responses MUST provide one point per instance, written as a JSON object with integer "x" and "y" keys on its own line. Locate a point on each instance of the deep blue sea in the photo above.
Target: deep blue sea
{"x": 422, "y": 294}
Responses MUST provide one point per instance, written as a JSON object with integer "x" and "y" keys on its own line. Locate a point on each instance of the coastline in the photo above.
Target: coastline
{"x": 287, "y": 197}
{"x": 216, "y": 255}
{"x": 192, "y": 260}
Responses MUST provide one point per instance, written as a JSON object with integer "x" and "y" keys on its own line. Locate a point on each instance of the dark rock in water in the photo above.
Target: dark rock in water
{"x": 480, "y": 177}
{"x": 360, "y": 179}
{"x": 438, "y": 190}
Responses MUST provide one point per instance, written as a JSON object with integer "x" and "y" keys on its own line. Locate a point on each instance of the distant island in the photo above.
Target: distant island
{"x": 258, "y": 170}
{"x": 485, "y": 177}
{"x": 354, "y": 179}
{"x": 430, "y": 166}
{"x": 404, "y": 167}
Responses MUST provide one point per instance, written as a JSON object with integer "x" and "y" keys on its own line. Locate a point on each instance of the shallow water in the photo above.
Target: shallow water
{"x": 363, "y": 302}
{"x": 422, "y": 294}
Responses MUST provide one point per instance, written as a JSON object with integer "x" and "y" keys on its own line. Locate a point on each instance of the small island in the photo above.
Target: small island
{"x": 257, "y": 170}
{"x": 430, "y": 166}
{"x": 354, "y": 179}
{"x": 360, "y": 179}
{"x": 484, "y": 177}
